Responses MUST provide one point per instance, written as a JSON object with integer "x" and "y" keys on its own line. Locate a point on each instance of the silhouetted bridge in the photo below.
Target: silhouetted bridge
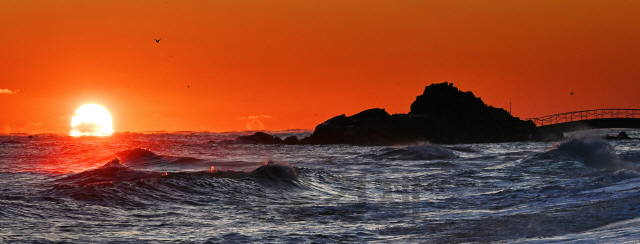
{"x": 590, "y": 119}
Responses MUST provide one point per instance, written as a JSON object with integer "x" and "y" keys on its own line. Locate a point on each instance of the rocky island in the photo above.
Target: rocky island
{"x": 442, "y": 114}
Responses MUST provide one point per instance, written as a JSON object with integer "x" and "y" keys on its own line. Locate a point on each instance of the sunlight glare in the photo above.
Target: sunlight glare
{"x": 91, "y": 120}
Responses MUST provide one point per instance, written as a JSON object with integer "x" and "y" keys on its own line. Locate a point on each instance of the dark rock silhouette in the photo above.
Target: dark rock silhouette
{"x": 442, "y": 114}
{"x": 259, "y": 138}
{"x": 458, "y": 116}
{"x": 367, "y": 127}
{"x": 621, "y": 136}
{"x": 291, "y": 140}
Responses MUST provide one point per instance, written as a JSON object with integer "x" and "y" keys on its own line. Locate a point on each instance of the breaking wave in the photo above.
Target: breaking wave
{"x": 419, "y": 152}
{"x": 576, "y": 154}
{"x": 112, "y": 171}
{"x": 125, "y": 182}
{"x": 592, "y": 151}
{"x": 142, "y": 157}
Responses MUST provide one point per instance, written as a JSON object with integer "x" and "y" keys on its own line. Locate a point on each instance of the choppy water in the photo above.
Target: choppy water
{"x": 177, "y": 187}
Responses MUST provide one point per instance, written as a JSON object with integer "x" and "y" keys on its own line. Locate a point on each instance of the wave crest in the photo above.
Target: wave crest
{"x": 419, "y": 152}
{"x": 592, "y": 151}
{"x": 112, "y": 171}
{"x": 271, "y": 172}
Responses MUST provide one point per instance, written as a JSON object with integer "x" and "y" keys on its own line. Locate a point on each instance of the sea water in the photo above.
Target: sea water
{"x": 184, "y": 188}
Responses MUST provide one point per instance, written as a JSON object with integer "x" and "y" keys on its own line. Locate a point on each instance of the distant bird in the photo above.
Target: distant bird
{"x": 572, "y": 94}
{"x": 187, "y": 86}
{"x": 158, "y": 40}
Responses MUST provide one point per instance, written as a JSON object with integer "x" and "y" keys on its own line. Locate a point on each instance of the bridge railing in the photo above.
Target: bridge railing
{"x": 586, "y": 115}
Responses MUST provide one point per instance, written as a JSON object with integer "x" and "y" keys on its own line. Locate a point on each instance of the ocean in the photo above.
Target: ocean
{"x": 182, "y": 187}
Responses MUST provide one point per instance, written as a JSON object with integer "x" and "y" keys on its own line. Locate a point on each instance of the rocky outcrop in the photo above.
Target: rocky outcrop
{"x": 367, "y": 127}
{"x": 621, "y": 136}
{"x": 259, "y": 138}
{"x": 442, "y": 114}
{"x": 262, "y": 138}
{"x": 291, "y": 140}
{"x": 462, "y": 117}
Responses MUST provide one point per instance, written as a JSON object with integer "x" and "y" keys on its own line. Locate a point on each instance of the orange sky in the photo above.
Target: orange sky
{"x": 294, "y": 64}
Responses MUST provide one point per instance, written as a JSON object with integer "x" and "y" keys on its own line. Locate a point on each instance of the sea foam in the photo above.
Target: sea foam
{"x": 591, "y": 150}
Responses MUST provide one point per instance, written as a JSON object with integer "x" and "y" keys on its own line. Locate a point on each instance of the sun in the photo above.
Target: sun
{"x": 91, "y": 120}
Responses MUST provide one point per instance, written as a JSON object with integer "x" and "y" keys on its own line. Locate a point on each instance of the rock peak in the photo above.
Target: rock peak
{"x": 444, "y": 98}
{"x": 442, "y": 114}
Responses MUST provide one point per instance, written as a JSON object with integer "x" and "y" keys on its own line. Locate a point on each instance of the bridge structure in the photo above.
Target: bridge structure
{"x": 589, "y": 119}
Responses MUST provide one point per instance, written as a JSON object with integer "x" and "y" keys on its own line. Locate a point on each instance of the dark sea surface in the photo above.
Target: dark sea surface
{"x": 181, "y": 188}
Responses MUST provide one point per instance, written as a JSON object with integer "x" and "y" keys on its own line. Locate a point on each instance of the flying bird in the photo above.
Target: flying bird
{"x": 572, "y": 94}
{"x": 158, "y": 40}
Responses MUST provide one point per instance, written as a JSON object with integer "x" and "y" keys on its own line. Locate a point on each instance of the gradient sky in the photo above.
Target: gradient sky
{"x": 274, "y": 65}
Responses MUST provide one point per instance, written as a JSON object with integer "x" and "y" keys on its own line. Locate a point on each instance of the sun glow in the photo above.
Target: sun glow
{"x": 91, "y": 120}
